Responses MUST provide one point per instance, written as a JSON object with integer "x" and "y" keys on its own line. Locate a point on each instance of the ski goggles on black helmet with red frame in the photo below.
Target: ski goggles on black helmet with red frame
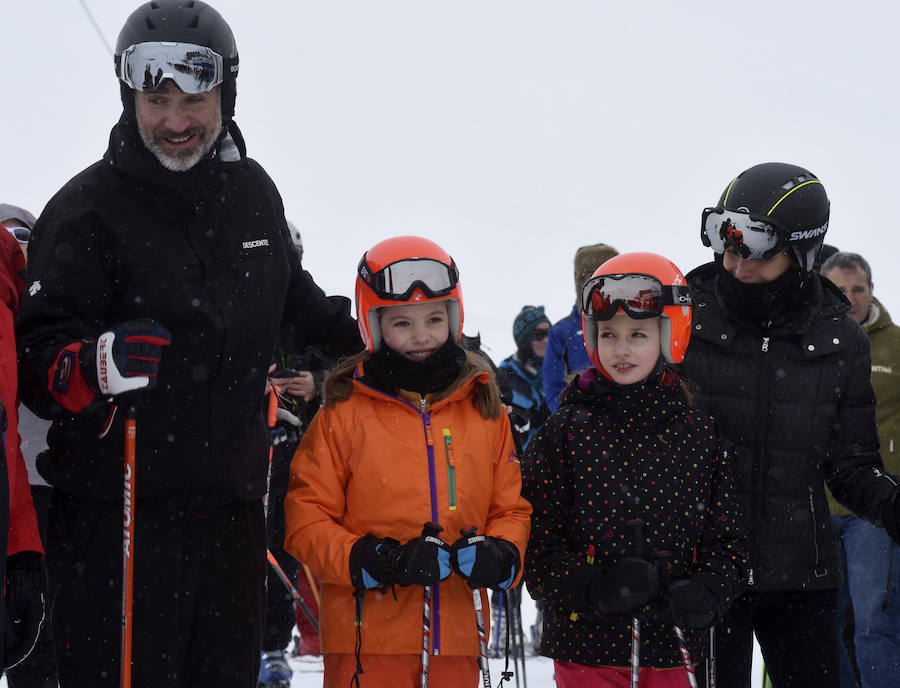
{"x": 193, "y": 68}
{"x": 397, "y": 281}
{"x": 753, "y": 238}
{"x": 639, "y": 295}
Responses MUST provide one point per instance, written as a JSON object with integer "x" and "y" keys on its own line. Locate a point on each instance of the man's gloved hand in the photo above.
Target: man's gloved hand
{"x": 125, "y": 357}
{"x": 625, "y": 585}
{"x": 24, "y": 606}
{"x": 687, "y": 604}
{"x": 485, "y": 562}
{"x": 379, "y": 562}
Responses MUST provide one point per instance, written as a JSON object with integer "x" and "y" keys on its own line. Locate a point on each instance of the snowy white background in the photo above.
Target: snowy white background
{"x": 510, "y": 131}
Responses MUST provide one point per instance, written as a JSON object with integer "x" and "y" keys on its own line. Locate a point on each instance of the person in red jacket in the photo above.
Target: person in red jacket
{"x": 23, "y": 598}
{"x": 411, "y": 449}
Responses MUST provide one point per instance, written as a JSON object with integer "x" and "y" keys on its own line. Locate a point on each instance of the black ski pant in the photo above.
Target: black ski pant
{"x": 795, "y": 631}
{"x": 280, "y": 614}
{"x": 199, "y": 576}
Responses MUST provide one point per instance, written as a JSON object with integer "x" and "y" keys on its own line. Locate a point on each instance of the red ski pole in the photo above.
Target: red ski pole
{"x": 128, "y": 546}
{"x": 295, "y": 596}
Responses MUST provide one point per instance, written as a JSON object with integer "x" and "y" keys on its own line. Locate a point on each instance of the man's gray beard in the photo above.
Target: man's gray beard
{"x": 182, "y": 163}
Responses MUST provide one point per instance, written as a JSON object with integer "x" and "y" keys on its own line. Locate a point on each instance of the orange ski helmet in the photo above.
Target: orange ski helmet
{"x": 400, "y": 270}
{"x": 643, "y": 285}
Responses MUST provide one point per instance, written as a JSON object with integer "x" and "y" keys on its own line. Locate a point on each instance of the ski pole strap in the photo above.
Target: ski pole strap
{"x": 506, "y": 674}
{"x": 359, "y": 596}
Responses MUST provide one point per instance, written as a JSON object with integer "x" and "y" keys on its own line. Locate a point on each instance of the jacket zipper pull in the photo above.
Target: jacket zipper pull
{"x": 765, "y": 344}
{"x": 750, "y": 580}
{"x": 451, "y": 467}
{"x": 422, "y": 402}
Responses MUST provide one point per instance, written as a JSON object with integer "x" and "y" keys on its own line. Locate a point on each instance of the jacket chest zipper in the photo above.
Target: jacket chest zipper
{"x": 432, "y": 489}
{"x": 451, "y": 466}
{"x": 757, "y": 469}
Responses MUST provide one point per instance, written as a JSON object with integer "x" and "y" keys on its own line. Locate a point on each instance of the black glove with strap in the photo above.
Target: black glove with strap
{"x": 483, "y": 561}
{"x": 24, "y": 606}
{"x": 381, "y": 562}
{"x": 625, "y": 585}
{"x": 687, "y": 603}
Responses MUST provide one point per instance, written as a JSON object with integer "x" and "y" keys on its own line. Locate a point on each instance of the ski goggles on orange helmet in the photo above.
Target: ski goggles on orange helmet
{"x": 397, "y": 281}
{"x": 193, "y": 68}
{"x": 751, "y": 237}
{"x": 640, "y": 296}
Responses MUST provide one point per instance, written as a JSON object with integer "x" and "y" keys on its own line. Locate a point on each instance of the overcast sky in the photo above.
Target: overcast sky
{"x": 511, "y": 132}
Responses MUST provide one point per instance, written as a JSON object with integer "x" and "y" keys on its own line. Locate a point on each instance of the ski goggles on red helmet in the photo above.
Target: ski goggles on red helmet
{"x": 751, "y": 237}
{"x": 640, "y": 296}
{"x": 193, "y": 68}
{"x": 400, "y": 279}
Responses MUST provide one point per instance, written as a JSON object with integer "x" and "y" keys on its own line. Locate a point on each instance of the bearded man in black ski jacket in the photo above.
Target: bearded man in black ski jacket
{"x": 160, "y": 277}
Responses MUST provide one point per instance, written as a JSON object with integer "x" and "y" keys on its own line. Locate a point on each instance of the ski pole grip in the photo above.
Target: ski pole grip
{"x": 431, "y": 528}
{"x": 663, "y": 557}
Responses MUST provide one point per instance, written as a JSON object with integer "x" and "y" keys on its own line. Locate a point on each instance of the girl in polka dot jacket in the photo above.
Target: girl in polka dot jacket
{"x": 634, "y": 512}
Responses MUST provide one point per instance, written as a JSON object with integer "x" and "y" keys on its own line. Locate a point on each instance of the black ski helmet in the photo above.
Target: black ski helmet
{"x": 181, "y": 21}
{"x": 790, "y": 198}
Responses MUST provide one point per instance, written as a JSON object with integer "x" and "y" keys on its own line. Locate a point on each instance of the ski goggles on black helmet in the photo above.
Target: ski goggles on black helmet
{"x": 398, "y": 281}
{"x": 640, "y": 296}
{"x": 193, "y": 68}
{"x": 753, "y": 238}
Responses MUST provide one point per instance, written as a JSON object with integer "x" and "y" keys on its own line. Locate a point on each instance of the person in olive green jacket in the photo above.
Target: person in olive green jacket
{"x": 871, "y": 561}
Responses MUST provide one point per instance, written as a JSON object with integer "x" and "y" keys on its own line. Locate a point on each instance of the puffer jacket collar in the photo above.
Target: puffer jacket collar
{"x": 817, "y": 326}
{"x": 881, "y": 320}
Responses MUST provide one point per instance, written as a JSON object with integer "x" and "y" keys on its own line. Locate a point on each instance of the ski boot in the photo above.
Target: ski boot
{"x": 274, "y": 670}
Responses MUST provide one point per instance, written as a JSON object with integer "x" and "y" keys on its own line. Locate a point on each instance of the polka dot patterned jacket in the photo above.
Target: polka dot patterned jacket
{"x": 609, "y": 455}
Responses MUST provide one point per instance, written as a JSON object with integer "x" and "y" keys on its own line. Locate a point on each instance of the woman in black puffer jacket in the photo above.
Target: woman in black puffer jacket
{"x": 787, "y": 376}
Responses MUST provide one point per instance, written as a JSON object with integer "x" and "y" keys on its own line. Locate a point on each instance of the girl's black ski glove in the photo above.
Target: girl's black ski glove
{"x": 484, "y": 561}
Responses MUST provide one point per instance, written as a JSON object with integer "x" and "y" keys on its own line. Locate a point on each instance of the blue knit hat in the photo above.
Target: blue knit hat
{"x": 525, "y": 323}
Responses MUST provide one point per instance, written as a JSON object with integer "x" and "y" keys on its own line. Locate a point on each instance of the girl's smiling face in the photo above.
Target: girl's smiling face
{"x": 415, "y": 330}
{"x": 628, "y": 349}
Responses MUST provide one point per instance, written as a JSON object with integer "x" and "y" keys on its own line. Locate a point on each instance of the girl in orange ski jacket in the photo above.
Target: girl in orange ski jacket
{"x": 412, "y": 432}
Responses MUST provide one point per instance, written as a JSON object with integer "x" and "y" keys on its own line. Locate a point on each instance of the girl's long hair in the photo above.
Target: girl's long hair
{"x": 339, "y": 384}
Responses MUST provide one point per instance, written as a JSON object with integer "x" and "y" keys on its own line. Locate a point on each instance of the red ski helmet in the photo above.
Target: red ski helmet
{"x": 643, "y": 285}
{"x": 400, "y": 270}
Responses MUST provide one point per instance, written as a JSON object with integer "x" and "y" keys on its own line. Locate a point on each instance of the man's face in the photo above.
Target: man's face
{"x": 178, "y": 128}
{"x": 856, "y": 288}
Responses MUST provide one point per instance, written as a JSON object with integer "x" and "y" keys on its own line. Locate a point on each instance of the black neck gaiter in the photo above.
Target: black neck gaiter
{"x": 762, "y": 303}
{"x": 389, "y": 370}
